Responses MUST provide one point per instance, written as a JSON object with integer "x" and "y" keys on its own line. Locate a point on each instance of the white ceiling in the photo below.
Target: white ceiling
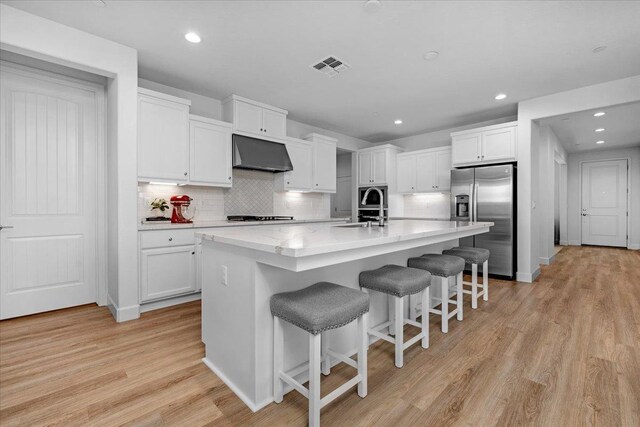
{"x": 577, "y": 133}
{"x": 263, "y": 49}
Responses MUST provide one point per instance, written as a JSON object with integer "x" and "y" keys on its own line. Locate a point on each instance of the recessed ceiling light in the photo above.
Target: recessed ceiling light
{"x": 599, "y": 49}
{"x": 100, "y": 3}
{"x": 398, "y": 122}
{"x": 430, "y": 56}
{"x": 192, "y": 37}
{"x": 599, "y": 142}
{"x": 600, "y": 130}
{"x": 599, "y": 114}
{"x": 500, "y": 96}
{"x": 372, "y": 6}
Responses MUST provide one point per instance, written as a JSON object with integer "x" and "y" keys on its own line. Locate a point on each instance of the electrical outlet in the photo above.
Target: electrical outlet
{"x": 224, "y": 275}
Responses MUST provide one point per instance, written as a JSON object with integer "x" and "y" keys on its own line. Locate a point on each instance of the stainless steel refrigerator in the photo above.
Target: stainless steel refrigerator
{"x": 488, "y": 193}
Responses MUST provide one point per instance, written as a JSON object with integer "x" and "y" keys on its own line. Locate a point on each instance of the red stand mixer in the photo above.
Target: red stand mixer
{"x": 180, "y": 204}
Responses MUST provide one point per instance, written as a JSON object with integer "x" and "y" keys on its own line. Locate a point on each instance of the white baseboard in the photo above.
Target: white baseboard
{"x": 155, "y": 305}
{"x": 547, "y": 260}
{"x": 123, "y": 314}
{"x": 634, "y": 246}
{"x": 564, "y": 243}
{"x": 528, "y": 277}
{"x": 575, "y": 243}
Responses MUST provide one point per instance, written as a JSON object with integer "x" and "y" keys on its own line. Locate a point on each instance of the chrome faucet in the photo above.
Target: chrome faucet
{"x": 380, "y": 217}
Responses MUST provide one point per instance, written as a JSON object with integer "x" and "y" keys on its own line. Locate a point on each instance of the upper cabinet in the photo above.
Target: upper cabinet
{"x": 255, "y": 118}
{"x": 176, "y": 147}
{"x": 424, "y": 171}
{"x": 324, "y": 162}
{"x": 210, "y": 152}
{"x": 490, "y": 144}
{"x": 377, "y": 166}
{"x": 163, "y": 137}
{"x": 314, "y": 165}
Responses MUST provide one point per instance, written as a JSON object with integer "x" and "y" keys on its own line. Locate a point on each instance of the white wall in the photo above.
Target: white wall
{"x": 633, "y": 154}
{"x": 33, "y": 36}
{"x": 596, "y": 96}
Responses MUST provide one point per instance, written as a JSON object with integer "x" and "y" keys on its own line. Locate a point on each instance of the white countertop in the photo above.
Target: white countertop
{"x": 313, "y": 239}
{"x": 167, "y": 225}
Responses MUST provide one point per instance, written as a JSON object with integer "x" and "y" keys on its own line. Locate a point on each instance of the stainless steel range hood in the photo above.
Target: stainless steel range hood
{"x": 260, "y": 154}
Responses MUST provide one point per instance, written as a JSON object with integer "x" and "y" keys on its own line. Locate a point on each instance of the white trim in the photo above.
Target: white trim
{"x": 629, "y": 191}
{"x": 168, "y": 302}
{"x": 380, "y": 147}
{"x": 564, "y": 243}
{"x": 485, "y": 128}
{"x": 574, "y": 243}
{"x": 634, "y": 246}
{"x": 528, "y": 277}
{"x": 123, "y": 314}
{"x": 547, "y": 260}
{"x": 255, "y": 407}
{"x": 256, "y": 103}
{"x": 163, "y": 96}
{"x": 101, "y": 161}
{"x": 207, "y": 120}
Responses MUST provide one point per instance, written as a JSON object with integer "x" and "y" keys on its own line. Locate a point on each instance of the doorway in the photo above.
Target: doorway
{"x": 52, "y": 187}
{"x": 341, "y": 201}
{"x": 603, "y": 204}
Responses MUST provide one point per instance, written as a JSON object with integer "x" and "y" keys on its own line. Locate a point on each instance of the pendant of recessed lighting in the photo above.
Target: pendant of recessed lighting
{"x": 372, "y": 6}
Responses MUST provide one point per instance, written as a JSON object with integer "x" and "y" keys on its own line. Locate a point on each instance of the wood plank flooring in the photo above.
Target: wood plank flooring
{"x": 564, "y": 351}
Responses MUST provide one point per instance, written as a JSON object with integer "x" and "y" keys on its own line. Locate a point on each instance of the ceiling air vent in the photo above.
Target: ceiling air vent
{"x": 330, "y": 66}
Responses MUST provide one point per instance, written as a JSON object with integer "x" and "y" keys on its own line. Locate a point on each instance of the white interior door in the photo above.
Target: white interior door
{"x": 48, "y": 191}
{"x": 604, "y": 203}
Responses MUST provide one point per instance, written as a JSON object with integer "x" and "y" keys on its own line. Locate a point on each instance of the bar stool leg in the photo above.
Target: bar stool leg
{"x": 363, "y": 344}
{"x": 485, "y": 280}
{"x": 459, "y": 294}
{"x": 392, "y": 327}
{"x": 474, "y": 286}
{"x": 314, "y": 379}
{"x": 278, "y": 349}
{"x": 444, "y": 307}
{"x": 425, "y": 318}
{"x": 398, "y": 326}
{"x": 326, "y": 359}
{"x": 413, "y": 307}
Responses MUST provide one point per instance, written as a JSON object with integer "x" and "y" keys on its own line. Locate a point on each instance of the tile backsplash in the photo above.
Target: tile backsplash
{"x": 428, "y": 205}
{"x": 252, "y": 193}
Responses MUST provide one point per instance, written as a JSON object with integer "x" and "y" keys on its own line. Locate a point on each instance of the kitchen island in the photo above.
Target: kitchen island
{"x": 243, "y": 267}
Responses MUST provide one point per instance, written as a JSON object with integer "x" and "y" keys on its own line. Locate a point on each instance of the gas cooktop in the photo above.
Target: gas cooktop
{"x": 258, "y": 218}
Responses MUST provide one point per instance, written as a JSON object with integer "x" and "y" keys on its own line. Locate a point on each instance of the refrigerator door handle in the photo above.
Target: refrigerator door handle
{"x": 472, "y": 200}
{"x": 475, "y": 202}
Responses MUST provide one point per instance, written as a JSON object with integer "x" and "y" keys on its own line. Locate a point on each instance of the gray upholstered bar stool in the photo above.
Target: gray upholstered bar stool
{"x": 397, "y": 282}
{"x": 475, "y": 257}
{"x": 317, "y": 309}
{"x": 443, "y": 266}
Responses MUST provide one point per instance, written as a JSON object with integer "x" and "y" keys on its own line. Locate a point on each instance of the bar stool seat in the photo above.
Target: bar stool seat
{"x": 443, "y": 266}
{"x": 475, "y": 257}
{"x": 320, "y": 307}
{"x": 397, "y": 282}
{"x": 317, "y": 309}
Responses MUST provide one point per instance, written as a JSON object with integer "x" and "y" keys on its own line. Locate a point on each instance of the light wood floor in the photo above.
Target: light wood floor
{"x": 564, "y": 351}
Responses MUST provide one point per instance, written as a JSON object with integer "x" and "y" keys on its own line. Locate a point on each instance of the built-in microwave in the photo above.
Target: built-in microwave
{"x": 373, "y": 199}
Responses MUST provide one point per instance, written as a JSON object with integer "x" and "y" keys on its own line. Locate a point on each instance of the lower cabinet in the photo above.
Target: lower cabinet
{"x": 166, "y": 272}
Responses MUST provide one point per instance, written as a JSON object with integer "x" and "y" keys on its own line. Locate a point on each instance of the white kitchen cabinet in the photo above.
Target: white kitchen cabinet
{"x": 167, "y": 272}
{"x": 210, "y": 152}
{"x": 163, "y": 137}
{"x": 324, "y": 163}
{"x": 424, "y": 171}
{"x": 255, "y": 118}
{"x": 301, "y": 177}
{"x": 377, "y": 166}
{"x": 490, "y": 144}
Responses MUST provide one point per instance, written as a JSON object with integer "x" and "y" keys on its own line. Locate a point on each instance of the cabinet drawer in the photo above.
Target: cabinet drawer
{"x": 166, "y": 238}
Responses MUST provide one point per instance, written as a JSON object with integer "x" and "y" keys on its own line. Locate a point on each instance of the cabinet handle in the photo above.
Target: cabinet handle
{"x": 265, "y": 130}
{"x": 288, "y": 182}
{"x": 193, "y": 253}
{"x": 185, "y": 174}
{"x": 483, "y": 157}
{"x": 170, "y": 239}
{"x": 260, "y": 129}
{"x": 229, "y": 178}
{"x": 316, "y": 185}
{"x": 478, "y": 156}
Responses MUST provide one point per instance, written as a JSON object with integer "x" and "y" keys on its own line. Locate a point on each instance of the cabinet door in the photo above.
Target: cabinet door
{"x": 165, "y": 272}
{"x": 465, "y": 149}
{"x": 364, "y": 169}
{"x": 248, "y": 117}
{"x": 210, "y": 152}
{"x": 163, "y": 140}
{"x": 499, "y": 144}
{"x": 324, "y": 167}
{"x": 274, "y": 123}
{"x": 443, "y": 170}
{"x": 379, "y": 167}
{"x": 406, "y": 174}
{"x": 300, "y": 178}
{"x": 426, "y": 172}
